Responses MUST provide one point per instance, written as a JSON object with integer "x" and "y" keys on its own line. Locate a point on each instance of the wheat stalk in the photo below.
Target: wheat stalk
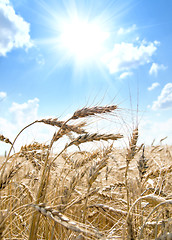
{"x": 93, "y": 174}
{"x": 153, "y": 210}
{"x": 2, "y": 223}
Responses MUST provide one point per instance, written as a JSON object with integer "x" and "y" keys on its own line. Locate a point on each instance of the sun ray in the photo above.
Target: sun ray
{"x": 83, "y": 40}
{"x": 80, "y": 34}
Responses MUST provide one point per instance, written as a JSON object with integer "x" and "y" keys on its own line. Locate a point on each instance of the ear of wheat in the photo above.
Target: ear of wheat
{"x": 142, "y": 165}
{"x": 4, "y": 139}
{"x": 94, "y": 137}
{"x": 85, "y": 112}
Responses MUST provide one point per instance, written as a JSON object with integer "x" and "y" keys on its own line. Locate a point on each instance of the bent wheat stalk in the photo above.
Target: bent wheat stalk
{"x": 72, "y": 225}
{"x": 12, "y": 146}
{"x": 160, "y": 204}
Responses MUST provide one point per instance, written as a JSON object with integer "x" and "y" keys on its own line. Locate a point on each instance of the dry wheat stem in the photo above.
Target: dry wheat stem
{"x": 30, "y": 195}
{"x": 153, "y": 210}
{"x": 2, "y": 223}
{"x": 12, "y": 146}
{"x": 93, "y": 174}
{"x": 80, "y": 199}
{"x": 41, "y": 193}
{"x": 151, "y": 198}
{"x": 158, "y": 223}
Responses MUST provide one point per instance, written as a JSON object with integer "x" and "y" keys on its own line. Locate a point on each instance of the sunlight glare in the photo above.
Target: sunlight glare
{"x": 82, "y": 40}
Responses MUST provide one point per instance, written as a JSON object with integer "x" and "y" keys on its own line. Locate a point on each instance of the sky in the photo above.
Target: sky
{"x": 58, "y": 56}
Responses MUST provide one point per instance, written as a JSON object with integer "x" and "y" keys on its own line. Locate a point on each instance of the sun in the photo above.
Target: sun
{"x": 82, "y": 40}
{"x": 78, "y": 35}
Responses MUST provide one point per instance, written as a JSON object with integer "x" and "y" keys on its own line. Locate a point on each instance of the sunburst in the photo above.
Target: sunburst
{"x": 82, "y": 40}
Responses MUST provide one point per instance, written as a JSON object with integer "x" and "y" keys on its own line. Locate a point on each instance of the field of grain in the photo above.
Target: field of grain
{"x": 106, "y": 193}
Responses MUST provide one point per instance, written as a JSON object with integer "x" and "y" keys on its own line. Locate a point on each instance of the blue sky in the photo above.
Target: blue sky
{"x": 59, "y": 56}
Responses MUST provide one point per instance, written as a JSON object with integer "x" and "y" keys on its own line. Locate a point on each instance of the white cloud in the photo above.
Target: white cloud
{"x": 153, "y": 86}
{"x": 164, "y": 101}
{"x": 125, "y": 74}
{"x": 127, "y": 30}
{"x": 14, "y": 30}
{"x": 40, "y": 59}
{"x": 150, "y": 130}
{"x": 3, "y": 95}
{"x": 6, "y": 127}
{"x": 21, "y": 115}
{"x": 24, "y": 113}
{"x": 126, "y": 56}
{"x": 155, "y": 68}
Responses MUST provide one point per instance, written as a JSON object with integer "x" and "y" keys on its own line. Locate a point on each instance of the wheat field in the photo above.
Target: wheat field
{"x": 104, "y": 193}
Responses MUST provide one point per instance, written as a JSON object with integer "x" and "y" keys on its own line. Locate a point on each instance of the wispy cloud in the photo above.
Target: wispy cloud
{"x": 164, "y": 101}
{"x": 122, "y": 31}
{"x": 14, "y": 30}
{"x": 40, "y": 59}
{"x": 153, "y": 86}
{"x": 25, "y": 112}
{"x": 155, "y": 68}
{"x": 125, "y": 75}
{"x": 126, "y": 56}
